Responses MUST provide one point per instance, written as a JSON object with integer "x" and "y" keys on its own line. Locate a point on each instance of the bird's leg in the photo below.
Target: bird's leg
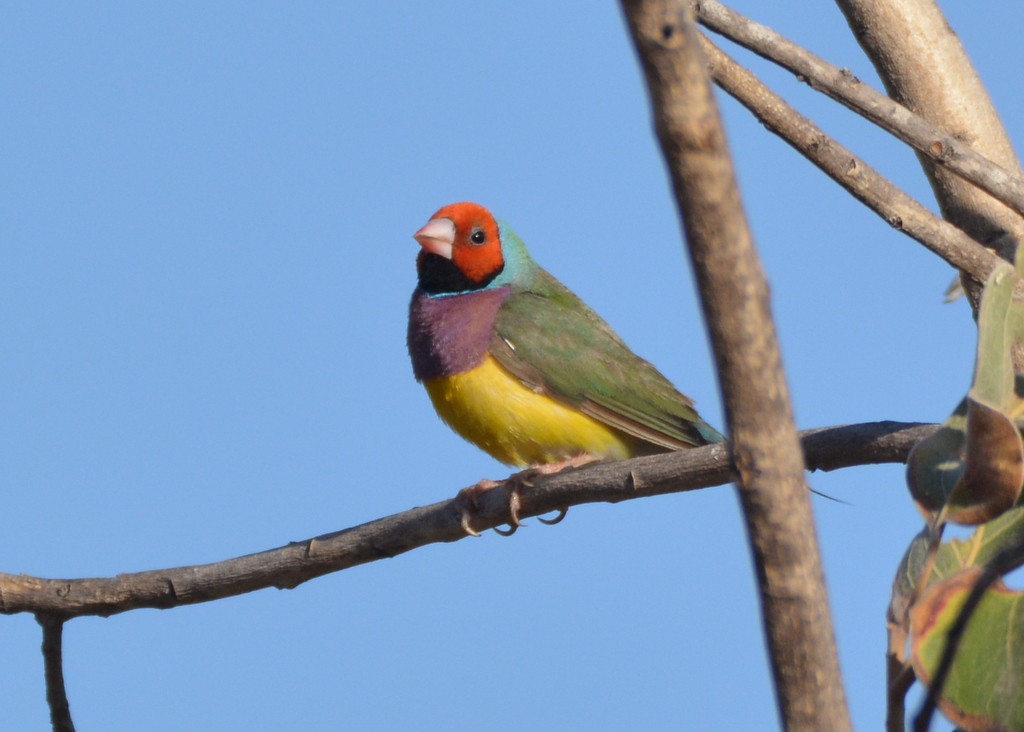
{"x": 516, "y": 482}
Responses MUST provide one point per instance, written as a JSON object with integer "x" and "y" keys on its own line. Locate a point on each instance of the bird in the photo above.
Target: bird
{"x": 518, "y": 365}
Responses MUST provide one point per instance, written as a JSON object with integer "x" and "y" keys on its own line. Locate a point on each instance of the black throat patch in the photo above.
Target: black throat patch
{"x": 440, "y": 276}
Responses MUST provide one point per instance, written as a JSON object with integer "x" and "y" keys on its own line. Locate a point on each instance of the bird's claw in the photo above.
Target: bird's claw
{"x": 466, "y": 500}
{"x": 557, "y": 519}
{"x": 464, "y": 521}
{"x": 514, "y": 503}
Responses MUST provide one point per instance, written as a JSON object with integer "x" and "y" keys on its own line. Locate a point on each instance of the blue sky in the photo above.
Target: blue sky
{"x": 205, "y": 263}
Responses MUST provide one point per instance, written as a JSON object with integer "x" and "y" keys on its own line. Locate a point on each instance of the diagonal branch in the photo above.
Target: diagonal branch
{"x": 765, "y": 448}
{"x": 936, "y": 144}
{"x": 925, "y": 68}
{"x": 865, "y": 183}
{"x": 289, "y": 566}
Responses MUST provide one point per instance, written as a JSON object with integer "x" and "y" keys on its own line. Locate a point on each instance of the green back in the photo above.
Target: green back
{"x": 554, "y": 343}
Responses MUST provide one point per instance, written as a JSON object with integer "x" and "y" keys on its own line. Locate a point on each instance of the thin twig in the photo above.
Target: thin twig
{"x": 734, "y": 294}
{"x": 53, "y": 662}
{"x": 829, "y": 448}
{"x": 866, "y": 184}
{"x": 899, "y": 678}
{"x": 936, "y": 144}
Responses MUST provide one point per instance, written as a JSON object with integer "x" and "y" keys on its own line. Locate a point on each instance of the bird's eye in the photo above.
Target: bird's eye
{"x": 478, "y": 236}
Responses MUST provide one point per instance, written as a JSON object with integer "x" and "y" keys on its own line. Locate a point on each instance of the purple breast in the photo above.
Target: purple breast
{"x": 451, "y": 334}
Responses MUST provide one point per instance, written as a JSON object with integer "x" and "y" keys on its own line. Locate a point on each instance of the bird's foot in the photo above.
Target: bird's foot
{"x": 468, "y": 497}
{"x": 467, "y": 502}
{"x": 516, "y": 482}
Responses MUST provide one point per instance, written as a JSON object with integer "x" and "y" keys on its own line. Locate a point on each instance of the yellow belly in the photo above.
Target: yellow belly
{"x": 497, "y": 413}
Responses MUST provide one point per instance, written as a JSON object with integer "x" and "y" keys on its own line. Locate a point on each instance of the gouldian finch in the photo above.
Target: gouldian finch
{"x": 518, "y": 365}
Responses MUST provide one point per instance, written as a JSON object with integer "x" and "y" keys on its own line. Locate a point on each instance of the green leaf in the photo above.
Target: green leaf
{"x": 953, "y": 556}
{"x": 973, "y": 466}
{"x": 984, "y": 688}
{"x": 936, "y": 464}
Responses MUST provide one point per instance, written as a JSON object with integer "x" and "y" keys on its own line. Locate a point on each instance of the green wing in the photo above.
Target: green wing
{"x": 556, "y": 345}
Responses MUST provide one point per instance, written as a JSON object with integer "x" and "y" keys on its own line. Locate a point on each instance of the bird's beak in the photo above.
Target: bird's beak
{"x": 437, "y": 237}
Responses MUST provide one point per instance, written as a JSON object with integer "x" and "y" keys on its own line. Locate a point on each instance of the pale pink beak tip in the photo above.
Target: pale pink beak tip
{"x": 437, "y": 237}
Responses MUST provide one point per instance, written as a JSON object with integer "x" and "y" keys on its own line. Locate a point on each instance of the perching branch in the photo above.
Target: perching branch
{"x": 935, "y": 143}
{"x": 765, "y": 447}
{"x": 863, "y": 182}
{"x": 288, "y": 566}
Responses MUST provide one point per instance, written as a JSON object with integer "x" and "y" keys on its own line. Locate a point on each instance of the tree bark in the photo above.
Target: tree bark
{"x": 862, "y": 181}
{"x": 765, "y": 449}
{"x": 924, "y": 67}
{"x": 930, "y": 141}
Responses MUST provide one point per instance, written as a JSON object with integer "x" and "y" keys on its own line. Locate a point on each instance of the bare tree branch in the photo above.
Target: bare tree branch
{"x": 828, "y": 448}
{"x": 865, "y": 183}
{"x": 734, "y": 293}
{"x": 925, "y": 68}
{"x": 53, "y": 662}
{"x": 899, "y": 677}
{"x": 935, "y": 143}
